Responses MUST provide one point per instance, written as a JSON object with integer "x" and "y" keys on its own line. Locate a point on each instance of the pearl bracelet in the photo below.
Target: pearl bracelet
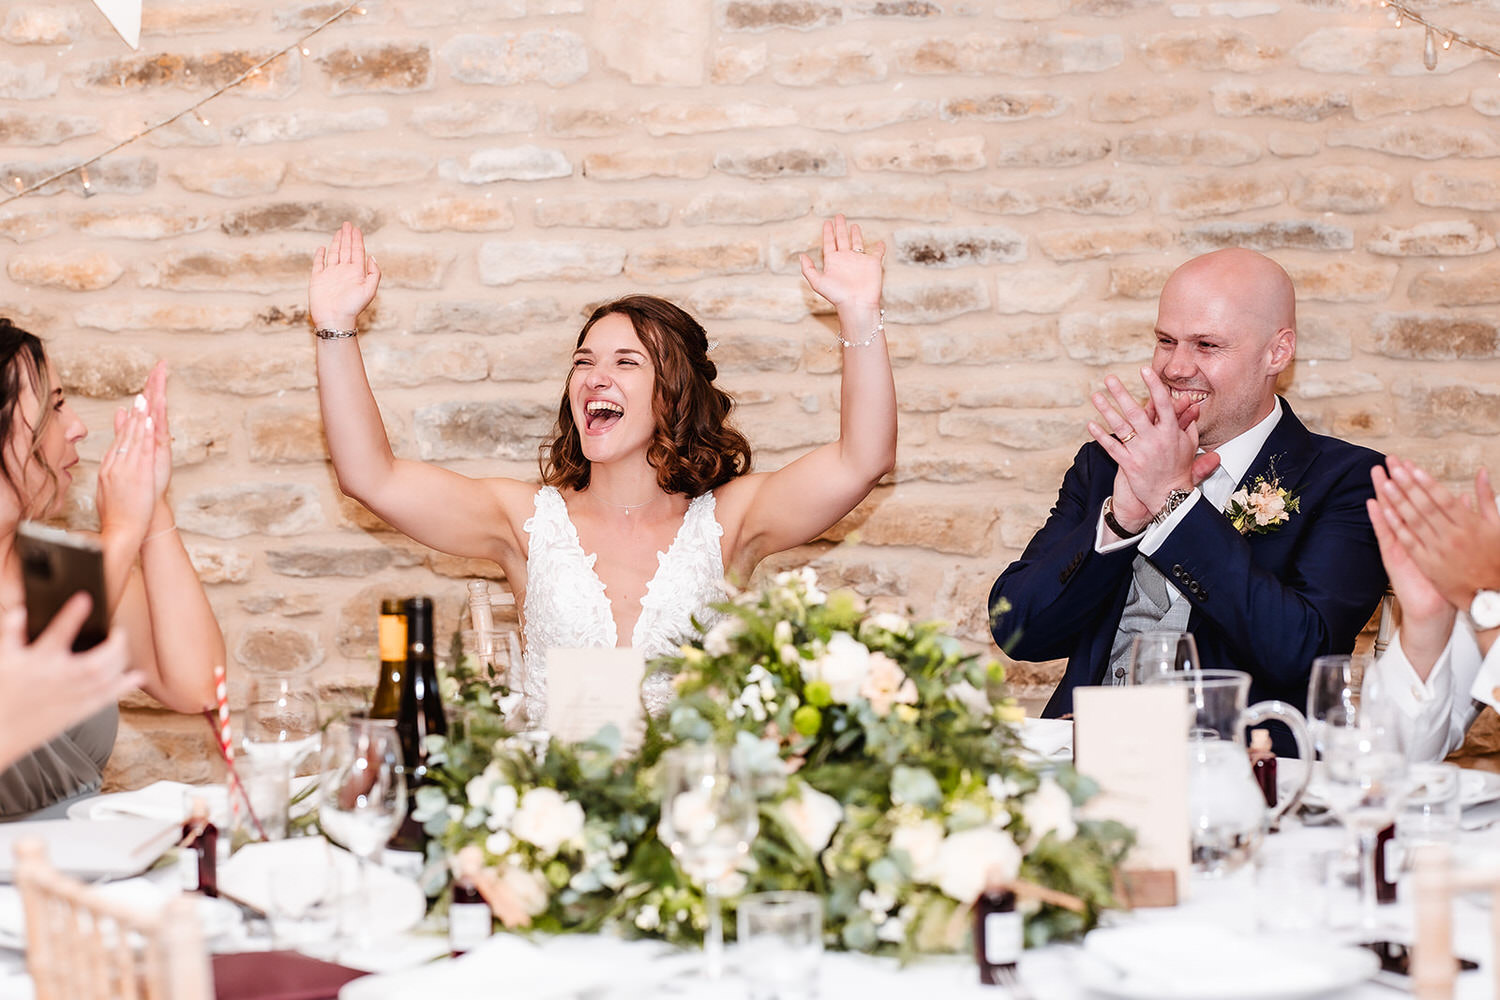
{"x": 334, "y": 334}
{"x": 879, "y": 329}
{"x": 158, "y": 534}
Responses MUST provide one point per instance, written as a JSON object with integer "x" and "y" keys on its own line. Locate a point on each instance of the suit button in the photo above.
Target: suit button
{"x": 1177, "y": 570}
{"x": 1119, "y": 672}
{"x": 1062, "y": 577}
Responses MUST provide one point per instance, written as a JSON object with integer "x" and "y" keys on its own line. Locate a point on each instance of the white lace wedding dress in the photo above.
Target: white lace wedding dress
{"x": 567, "y": 607}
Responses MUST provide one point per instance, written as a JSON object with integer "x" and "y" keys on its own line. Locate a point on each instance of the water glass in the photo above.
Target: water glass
{"x": 260, "y": 801}
{"x": 281, "y": 718}
{"x": 1433, "y": 805}
{"x": 1155, "y": 653}
{"x": 1291, "y": 889}
{"x": 780, "y": 944}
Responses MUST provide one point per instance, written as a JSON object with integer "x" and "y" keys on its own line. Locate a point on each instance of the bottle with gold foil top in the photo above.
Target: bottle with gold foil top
{"x": 387, "y": 704}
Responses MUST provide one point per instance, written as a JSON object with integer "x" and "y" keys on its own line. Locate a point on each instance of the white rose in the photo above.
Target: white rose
{"x": 528, "y": 889}
{"x": 842, "y": 667}
{"x": 782, "y": 633}
{"x": 1240, "y": 497}
{"x": 1049, "y": 809}
{"x": 967, "y": 861}
{"x": 501, "y": 806}
{"x": 809, "y": 578}
{"x": 716, "y": 642}
{"x": 886, "y": 684}
{"x": 499, "y": 843}
{"x": 547, "y": 819}
{"x": 970, "y": 697}
{"x": 481, "y": 787}
{"x": 920, "y": 841}
{"x": 894, "y": 624}
{"x": 813, "y": 816}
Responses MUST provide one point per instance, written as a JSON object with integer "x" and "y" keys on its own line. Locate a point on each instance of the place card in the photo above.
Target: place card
{"x": 588, "y": 689}
{"x": 1133, "y": 742}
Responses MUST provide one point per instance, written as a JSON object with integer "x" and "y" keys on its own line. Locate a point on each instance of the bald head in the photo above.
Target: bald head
{"x": 1226, "y": 327}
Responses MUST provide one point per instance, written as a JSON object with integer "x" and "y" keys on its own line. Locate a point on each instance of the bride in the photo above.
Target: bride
{"x": 648, "y": 503}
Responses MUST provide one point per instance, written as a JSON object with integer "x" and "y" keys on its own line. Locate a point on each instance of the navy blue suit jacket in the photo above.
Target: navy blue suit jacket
{"x": 1266, "y": 604}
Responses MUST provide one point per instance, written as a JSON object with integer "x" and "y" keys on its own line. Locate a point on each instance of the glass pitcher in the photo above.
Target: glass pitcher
{"x": 1226, "y": 808}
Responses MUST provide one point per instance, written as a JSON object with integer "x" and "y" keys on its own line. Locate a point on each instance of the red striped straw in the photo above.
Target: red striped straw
{"x": 221, "y": 696}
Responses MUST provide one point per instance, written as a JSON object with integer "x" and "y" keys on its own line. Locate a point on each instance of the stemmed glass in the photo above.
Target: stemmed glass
{"x": 1366, "y": 786}
{"x": 362, "y": 790}
{"x": 708, "y": 820}
{"x": 1155, "y": 653}
{"x": 281, "y": 718}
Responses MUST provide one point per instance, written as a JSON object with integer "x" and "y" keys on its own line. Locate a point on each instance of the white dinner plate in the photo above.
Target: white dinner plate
{"x": 1474, "y": 787}
{"x": 92, "y": 849}
{"x": 1190, "y": 962}
{"x": 395, "y": 902}
{"x": 170, "y": 800}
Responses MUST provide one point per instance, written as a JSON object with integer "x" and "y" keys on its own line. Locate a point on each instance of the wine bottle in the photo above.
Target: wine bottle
{"x": 387, "y": 703}
{"x": 421, "y": 713}
{"x": 999, "y": 936}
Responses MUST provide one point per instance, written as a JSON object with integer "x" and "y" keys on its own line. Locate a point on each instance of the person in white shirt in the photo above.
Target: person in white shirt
{"x": 1443, "y": 558}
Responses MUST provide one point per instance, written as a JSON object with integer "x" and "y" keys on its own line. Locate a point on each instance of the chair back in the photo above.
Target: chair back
{"x": 1434, "y": 967}
{"x": 81, "y": 945}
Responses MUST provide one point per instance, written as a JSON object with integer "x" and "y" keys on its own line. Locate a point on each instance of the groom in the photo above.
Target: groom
{"x": 1211, "y": 509}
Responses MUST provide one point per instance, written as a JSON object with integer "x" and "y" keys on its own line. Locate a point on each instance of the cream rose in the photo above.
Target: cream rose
{"x": 1049, "y": 809}
{"x": 548, "y": 820}
{"x": 967, "y": 861}
{"x": 842, "y": 666}
{"x": 886, "y": 684}
{"x": 813, "y": 816}
{"x": 921, "y": 841}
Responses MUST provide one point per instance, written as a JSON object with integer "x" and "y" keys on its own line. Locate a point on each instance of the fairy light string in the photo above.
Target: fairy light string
{"x": 1402, "y": 13}
{"x": 82, "y": 168}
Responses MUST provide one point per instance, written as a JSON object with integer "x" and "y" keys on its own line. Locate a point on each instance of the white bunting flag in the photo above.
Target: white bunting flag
{"x": 125, "y": 15}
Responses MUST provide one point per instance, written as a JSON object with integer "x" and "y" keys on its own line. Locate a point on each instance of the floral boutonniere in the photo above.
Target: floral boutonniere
{"x": 1262, "y": 507}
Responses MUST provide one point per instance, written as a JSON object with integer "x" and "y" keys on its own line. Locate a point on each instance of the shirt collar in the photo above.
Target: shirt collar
{"x": 1236, "y": 454}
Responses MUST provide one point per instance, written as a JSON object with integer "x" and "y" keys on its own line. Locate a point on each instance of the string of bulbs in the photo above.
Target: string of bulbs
{"x": 23, "y": 189}
{"x": 1434, "y": 32}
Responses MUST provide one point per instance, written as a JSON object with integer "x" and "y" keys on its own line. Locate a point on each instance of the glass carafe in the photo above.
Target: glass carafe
{"x": 1227, "y": 811}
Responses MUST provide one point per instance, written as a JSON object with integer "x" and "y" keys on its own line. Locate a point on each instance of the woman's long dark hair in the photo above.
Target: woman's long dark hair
{"x": 23, "y": 362}
{"x": 693, "y": 449}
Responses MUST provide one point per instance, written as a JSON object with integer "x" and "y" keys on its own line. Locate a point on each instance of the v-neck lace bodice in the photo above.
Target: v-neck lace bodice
{"x": 567, "y": 605}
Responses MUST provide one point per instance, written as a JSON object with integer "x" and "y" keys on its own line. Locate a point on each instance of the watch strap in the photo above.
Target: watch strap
{"x": 1116, "y": 526}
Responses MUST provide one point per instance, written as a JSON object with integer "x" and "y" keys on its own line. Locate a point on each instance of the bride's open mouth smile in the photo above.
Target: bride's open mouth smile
{"x": 601, "y": 414}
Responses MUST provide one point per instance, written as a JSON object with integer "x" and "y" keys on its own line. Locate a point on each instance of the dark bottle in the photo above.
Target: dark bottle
{"x": 421, "y": 706}
{"x": 1263, "y": 764}
{"x": 1385, "y": 887}
{"x": 998, "y": 936}
{"x": 200, "y": 851}
{"x": 387, "y": 703}
{"x": 470, "y": 921}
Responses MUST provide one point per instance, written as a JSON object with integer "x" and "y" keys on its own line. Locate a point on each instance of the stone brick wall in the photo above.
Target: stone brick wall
{"x": 1037, "y": 167}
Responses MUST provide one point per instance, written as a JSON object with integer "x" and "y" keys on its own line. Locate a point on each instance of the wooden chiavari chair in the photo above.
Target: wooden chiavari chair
{"x": 1434, "y": 967}
{"x": 81, "y": 945}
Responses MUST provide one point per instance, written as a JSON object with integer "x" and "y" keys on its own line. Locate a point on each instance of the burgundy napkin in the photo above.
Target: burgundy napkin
{"x": 278, "y": 975}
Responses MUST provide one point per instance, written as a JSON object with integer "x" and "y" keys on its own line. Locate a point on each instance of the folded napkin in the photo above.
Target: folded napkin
{"x": 278, "y": 975}
{"x": 1049, "y": 739}
{"x": 164, "y": 800}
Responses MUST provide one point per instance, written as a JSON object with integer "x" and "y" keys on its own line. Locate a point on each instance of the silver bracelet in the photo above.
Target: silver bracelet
{"x": 879, "y": 329}
{"x": 334, "y": 334}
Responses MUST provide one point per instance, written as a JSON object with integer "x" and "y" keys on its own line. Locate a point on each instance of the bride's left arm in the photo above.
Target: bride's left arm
{"x": 797, "y": 503}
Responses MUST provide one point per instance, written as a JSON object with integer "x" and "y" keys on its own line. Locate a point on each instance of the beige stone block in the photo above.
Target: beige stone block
{"x": 1057, "y": 148}
{"x": 1435, "y": 337}
{"x": 953, "y": 466}
{"x": 411, "y": 363}
{"x": 378, "y": 67}
{"x": 1380, "y": 99}
{"x": 840, "y": 64}
{"x": 865, "y": 116}
{"x": 197, "y": 437}
{"x": 931, "y": 301}
{"x": 1133, "y": 104}
{"x": 505, "y": 263}
{"x": 40, "y": 24}
{"x": 220, "y": 563}
{"x": 314, "y": 13}
{"x": 1024, "y": 339}
{"x": 694, "y": 119}
{"x": 488, "y": 318}
{"x": 279, "y": 648}
{"x": 229, "y": 177}
{"x": 1420, "y": 140}
{"x": 247, "y": 508}
{"x": 303, "y": 124}
{"x": 1323, "y": 383}
{"x": 689, "y": 261}
{"x": 1109, "y": 338}
{"x": 1137, "y": 281}
{"x": 186, "y": 131}
{"x": 960, "y": 153}
{"x": 555, "y": 57}
{"x": 462, "y": 215}
{"x": 765, "y": 15}
{"x": 319, "y": 216}
{"x": 1291, "y": 145}
{"x": 1450, "y": 188}
{"x": 1214, "y": 147}
{"x": 152, "y": 745}
{"x": 1038, "y": 290}
{"x": 457, "y": 429}
{"x": 515, "y": 163}
{"x": 1346, "y": 189}
{"x": 470, "y": 119}
{"x": 286, "y": 605}
{"x": 100, "y": 371}
{"x": 737, "y": 64}
{"x": 1003, "y": 107}
{"x": 139, "y": 223}
{"x": 267, "y": 368}
{"x": 117, "y": 175}
{"x": 1470, "y": 286}
{"x": 1435, "y": 406}
{"x": 168, "y": 20}
{"x": 280, "y": 435}
{"x": 593, "y": 212}
{"x": 867, "y": 575}
{"x": 1018, "y": 523}
{"x": 439, "y": 13}
{"x": 149, "y": 71}
{"x": 1020, "y": 430}
{"x": 996, "y": 199}
{"x": 914, "y": 200}
{"x": 1204, "y": 195}
{"x": 1039, "y": 54}
{"x": 1343, "y": 281}
{"x": 1104, "y": 241}
{"x": 1291, "y": 234}
{"x": 636, "y": 164}
{"x": 1026, "y": 393}
{"x": 23, "y": 227}
{"x": 535, "y": 359}
{"x": 776, "y": 303}
{"x": 1327, "y": 337}
{"x": 362, "y": 168}
{"x": 593, "y": 121}
{"x": 739, "y": 353}
{"x": 958, "y": 246}
{"x": 1303, "y": 102}
{"x": 769, "y": 162}
{"x": 1098, "y": 194}
{"x": 1446, "y": 238}
{"x": 1485, "y": 100}
{"x": 1213, "y": 49}
{"x": 774, "y": 203}
{"x": 176, "y": 317}
{"x": 323, "y": 560}
{"x": 26, "y": 81}
{"x": 930, "y": 522}
{"x": 35, "y": 128}
{"x": 217, "y": 270}
{"x": 1361, "y": 51}
{"x": 73, "y": 271}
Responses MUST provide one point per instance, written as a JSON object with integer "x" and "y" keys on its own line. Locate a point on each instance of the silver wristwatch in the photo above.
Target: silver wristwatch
{"x": 1175, "y": 499}
{"x": 1484, "y": 610}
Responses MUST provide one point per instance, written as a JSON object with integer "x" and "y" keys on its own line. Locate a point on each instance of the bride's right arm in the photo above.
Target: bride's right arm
{"x": 435, "y": 506}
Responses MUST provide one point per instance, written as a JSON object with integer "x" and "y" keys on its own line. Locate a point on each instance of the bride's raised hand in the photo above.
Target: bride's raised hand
{"x": 343, "y": 280}
{"x": 851, "y": 273}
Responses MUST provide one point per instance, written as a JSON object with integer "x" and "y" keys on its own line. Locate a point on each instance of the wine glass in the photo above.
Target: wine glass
{"x": 708, "y": 820}
{"x": 1366, "y": 787}
{"x": 1155, "y": 653}
{"x": 362, "y": 790}
{"x": 281, "y": 718}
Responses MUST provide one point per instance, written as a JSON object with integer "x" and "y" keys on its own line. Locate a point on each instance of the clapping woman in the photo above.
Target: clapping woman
{"x": 155, "y": 597}
{"x": 647, "y": 500}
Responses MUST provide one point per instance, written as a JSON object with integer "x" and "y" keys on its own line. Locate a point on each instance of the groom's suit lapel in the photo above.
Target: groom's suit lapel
{"x": 1289, "y": 449}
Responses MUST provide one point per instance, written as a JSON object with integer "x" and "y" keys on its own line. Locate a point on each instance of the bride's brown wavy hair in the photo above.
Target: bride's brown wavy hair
{"x": 23, "y": 362}
{"x": 693, "y": 449}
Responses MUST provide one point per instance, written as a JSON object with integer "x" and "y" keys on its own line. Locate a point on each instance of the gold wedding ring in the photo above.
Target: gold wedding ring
{"x": 1128, "y": 437}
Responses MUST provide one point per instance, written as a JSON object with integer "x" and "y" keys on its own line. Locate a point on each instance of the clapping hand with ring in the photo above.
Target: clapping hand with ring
{"x": 1154, "y": 446}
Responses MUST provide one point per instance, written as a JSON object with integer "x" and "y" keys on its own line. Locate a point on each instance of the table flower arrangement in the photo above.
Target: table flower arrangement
{"x": 885, "y": 761}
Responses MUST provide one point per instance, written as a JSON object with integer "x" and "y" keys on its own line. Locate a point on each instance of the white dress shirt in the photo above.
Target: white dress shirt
{"x": 1235, "y": 456}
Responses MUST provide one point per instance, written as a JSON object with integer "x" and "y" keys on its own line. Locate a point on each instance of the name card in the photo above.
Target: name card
{"x": 1133, "y": 742}
{"x": 588, "y": 689}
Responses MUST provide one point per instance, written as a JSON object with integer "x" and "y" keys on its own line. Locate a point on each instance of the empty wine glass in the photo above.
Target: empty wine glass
{"x": 1332, "y": 695}
{"x": 362, "y": 790}
{"x": 1365, "y": 786}
{"x": 708, "y": 820}
{"x": 1155, "y": 653}
{"x": 281, "y": 718}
